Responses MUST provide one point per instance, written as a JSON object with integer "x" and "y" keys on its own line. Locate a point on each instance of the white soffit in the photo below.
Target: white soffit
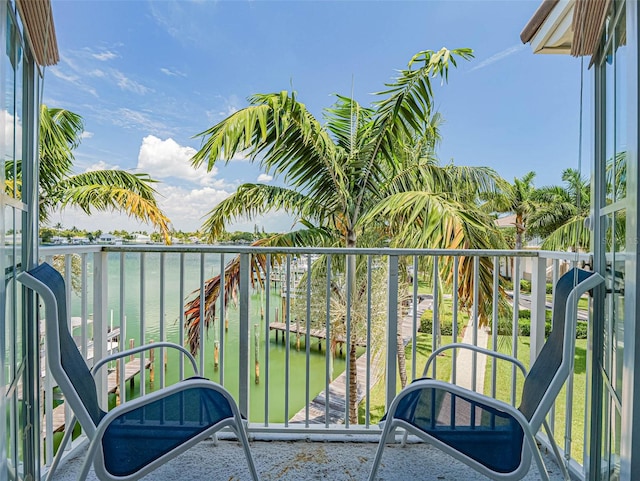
{"x": 555, "y": 35}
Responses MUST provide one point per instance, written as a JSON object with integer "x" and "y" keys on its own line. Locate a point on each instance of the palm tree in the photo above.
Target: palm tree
{"x": 561, "y": 212}
{"x": 103, "y": 190}
{"x": 518, "y": 199}
{"x": 337, "y": 173}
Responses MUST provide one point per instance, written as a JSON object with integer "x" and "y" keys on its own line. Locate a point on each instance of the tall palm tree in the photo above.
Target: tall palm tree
{"x": 517, "y": 199}
{"x": 338, "y": 172}
{"x": 103, "y": 190}
{"x": 561, "y": 212}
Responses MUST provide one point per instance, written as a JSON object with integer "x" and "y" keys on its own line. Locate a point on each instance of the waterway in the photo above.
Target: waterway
{"x": 149, "y": 298}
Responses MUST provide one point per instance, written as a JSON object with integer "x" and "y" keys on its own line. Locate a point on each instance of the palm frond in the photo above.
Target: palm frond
{"x": 571, "y": 235}
{"x": 255, "y": 199}
{"x": 60, "y": 134}
{"x": 436, "y": 221}
{"x": 280, "y": 134}
{"x": 105, "y": 190}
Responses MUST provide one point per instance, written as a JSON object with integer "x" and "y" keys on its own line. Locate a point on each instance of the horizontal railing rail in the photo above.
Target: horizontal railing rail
{"x": 313, "y": 332}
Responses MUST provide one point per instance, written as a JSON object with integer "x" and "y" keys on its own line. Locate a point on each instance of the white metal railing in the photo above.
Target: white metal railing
{"x": 138, "y": 293}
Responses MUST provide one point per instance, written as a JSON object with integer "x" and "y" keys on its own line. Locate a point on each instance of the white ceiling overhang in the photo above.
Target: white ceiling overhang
{"x": 555, "y": 35}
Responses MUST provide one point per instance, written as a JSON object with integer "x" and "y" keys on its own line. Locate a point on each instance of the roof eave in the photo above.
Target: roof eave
{"x": 37, "y": 17}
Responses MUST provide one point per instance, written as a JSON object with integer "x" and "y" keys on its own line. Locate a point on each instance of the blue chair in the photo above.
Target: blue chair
{"x": 136, "y": 437}
{"x": 491, "y": 436}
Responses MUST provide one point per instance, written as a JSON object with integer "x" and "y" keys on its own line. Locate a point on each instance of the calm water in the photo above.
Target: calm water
{"x": 172, "y": 325}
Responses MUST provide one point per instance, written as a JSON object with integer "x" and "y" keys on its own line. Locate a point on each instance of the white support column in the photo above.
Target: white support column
{"x": 244, "y": 350}
{"x": 538, "y": 305}
{"x": 100, "y": 322}
{"x": 392, "y": 330}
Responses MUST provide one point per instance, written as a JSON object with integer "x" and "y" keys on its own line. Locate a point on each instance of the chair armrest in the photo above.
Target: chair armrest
{"x": 146, "y": 347}
{"x": 471, "y": 347}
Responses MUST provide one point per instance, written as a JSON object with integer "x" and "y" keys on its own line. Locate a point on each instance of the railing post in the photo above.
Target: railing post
{"x": 392, "y": 330}
{"x": 244, "y": 344}
{"x": 100, "y": 281}
{"x": 538, "y": 305}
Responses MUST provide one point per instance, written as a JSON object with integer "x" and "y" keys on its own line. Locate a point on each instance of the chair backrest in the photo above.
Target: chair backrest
{"x": 555, "y": 361}
{"x": 66, "y": 363}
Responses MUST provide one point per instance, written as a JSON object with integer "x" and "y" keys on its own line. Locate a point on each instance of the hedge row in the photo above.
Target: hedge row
{"x": 504, "y": 325}
{"x": 525, "y": 286}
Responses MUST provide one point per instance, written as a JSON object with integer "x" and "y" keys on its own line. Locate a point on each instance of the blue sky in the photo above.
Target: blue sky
{"x": 148, "y": 76}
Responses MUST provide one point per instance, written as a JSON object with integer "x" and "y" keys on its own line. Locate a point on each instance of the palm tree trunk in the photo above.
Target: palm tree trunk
{"x": 353, "y": 370}
{"x": 519, "y": 231}
{"x": 402, "y": 359}
{"x": 353, "y": 384}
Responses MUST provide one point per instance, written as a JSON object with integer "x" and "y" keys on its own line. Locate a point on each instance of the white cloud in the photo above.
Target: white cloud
{"x": 128, "y": 118}
{"x": 499, "y": 56}
{"x": 101, "y": 165}
{"x": 126, "y": 83}
{"x": 187, "y": 208}
{"x": 11, "y": 126}
{"x": 265, "y": 178}
{"x": 97, "y": 73}
{"x": 86, "y": 134}
{"x": 63, "y": 76}
{"x": 74, "y": 80}
{"x": 231, "y": 106}
{"x": 172, "y": 73}
{"x": 166, "y": 158}
{"x": 104, "y": 56}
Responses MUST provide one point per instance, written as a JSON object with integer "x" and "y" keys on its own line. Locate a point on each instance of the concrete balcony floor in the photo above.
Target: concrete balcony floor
{"x": 309, "y": 460}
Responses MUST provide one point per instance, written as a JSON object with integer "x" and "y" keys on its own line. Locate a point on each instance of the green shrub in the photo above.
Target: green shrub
{"x": 549, "y": 288}
{"x": 525, "y": 286}
{"x": 446, "y": 323}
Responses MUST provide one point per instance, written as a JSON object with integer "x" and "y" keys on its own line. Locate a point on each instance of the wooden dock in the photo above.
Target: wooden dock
{"x": 337, "y": 388}
{"x": 131, "y": 369}
{"x": 301, "y": 330}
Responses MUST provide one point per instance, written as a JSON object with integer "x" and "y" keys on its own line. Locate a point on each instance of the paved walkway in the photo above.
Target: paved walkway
{"x": 464, "y": 360}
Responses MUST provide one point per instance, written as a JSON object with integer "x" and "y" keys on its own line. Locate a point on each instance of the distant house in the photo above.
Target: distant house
{"x": 141, "y": 238}
{"x": 506, "y": 221}
{"x": 107, "y": 238}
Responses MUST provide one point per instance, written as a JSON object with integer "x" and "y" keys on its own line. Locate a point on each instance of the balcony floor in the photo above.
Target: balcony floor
{"x": 304, "y": 460}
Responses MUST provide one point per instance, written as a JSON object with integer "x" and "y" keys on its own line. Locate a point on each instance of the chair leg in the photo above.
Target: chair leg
{"x": 88, "y": 459}
{"x": 537, "y": 456}
{"x": 405, "y": 435}
{"x": 556, "y": 452}
{"x": 378, "y": 457}
{"x": 244, "y": 440}
{"x": 68, "y": 433}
